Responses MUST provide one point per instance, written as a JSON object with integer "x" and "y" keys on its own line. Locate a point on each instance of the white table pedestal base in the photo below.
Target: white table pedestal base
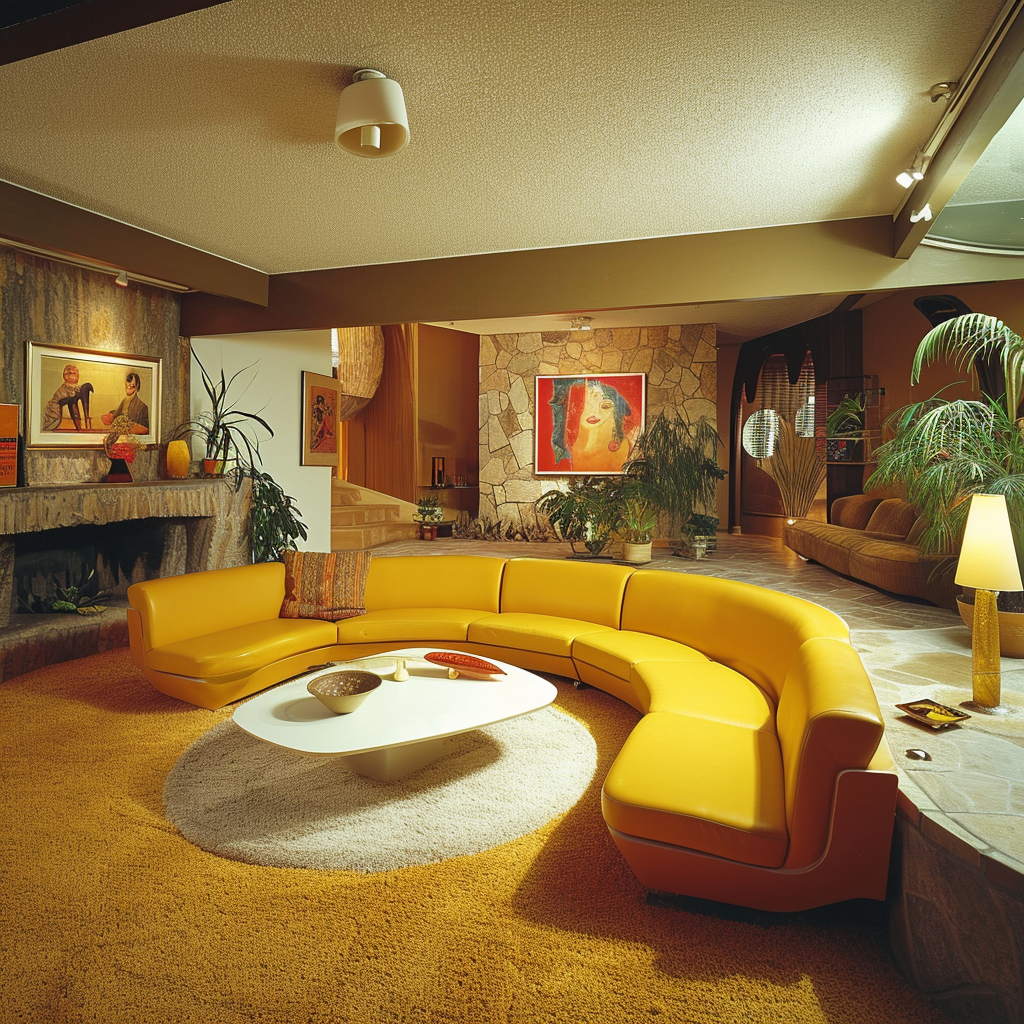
{"x": 391, "y": 763}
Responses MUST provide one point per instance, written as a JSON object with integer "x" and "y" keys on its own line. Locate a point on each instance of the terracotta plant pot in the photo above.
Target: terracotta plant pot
{"x": 213, "y": 467}
{"x": 1011, "y": 629}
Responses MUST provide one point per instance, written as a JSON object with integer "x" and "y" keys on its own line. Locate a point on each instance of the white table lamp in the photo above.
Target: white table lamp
{"x": 988, "y": 563}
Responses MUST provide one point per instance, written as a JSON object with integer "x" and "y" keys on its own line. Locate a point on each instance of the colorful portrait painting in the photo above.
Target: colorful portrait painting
{"x": 74, "y": 395}
{"x": 320, "y": 441}
{"x": 587, "y": 423}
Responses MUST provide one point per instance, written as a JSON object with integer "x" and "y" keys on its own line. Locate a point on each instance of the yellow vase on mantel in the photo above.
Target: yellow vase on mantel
{"x": 178, "y": 460}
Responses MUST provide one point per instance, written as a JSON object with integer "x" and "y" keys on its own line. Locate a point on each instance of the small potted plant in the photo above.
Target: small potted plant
{"x": 428, "y": 509}
{"x": 638, "y": 517}
{"x": 844, "y": 427}
{"x": 702, "y": 531}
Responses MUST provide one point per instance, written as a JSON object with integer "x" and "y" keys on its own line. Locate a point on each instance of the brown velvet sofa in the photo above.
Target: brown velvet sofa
{"x": 874, "y": 540}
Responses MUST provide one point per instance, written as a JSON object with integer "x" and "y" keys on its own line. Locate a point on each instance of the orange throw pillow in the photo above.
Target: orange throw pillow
{"x": 324, "y": 584}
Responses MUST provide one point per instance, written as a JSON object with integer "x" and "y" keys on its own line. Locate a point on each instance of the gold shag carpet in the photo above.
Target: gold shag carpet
{"x": 108, "y": 914}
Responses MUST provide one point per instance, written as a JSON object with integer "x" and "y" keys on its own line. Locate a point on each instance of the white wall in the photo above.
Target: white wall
{"x": 273, "y": 389}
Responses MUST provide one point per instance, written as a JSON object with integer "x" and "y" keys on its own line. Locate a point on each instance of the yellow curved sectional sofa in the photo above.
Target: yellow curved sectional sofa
{"x": 758, "y": 774}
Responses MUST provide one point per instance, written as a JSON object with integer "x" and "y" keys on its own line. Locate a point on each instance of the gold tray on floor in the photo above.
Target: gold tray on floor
{"x": 931, "y": 713}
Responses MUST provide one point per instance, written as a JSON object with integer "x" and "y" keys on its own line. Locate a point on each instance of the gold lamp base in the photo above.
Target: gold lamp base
{"x": 985, "y": 650}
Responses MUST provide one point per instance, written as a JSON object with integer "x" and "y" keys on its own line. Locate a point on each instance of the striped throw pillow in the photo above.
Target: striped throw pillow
{"x": 324, "y": 584}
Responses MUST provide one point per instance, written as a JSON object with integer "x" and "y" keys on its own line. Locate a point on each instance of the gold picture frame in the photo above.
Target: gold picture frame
{"x": 320, "y": 441}
{"x": 72, "y": 394}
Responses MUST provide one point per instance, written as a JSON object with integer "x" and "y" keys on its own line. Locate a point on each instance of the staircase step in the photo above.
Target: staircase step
{"x": 348, "y": 538}
{"x": 354, "y": 515}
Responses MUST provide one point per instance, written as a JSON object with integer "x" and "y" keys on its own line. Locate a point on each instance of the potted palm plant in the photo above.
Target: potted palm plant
{"x": 674, "y": 464}
{"x": 942, "y": 451}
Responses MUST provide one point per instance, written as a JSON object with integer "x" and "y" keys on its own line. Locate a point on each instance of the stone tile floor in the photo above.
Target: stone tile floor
{"x": 972, "y": 789}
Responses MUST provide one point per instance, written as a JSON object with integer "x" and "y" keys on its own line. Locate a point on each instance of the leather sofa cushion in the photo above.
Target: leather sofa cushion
{"x": 417, "y": 581}
{"x": 891, "y": 519}
{"x": 571, "y": 590}
{"x": 617, "y": 651}
{"x": 174, "y": 608}
{"x": 545, "y": 634}
{"x": 237, "y": 651}
{"x": 751, "y": 629}
{"x": 408, "y": 624}
{"x": 702, "y": 785}
{"x": 702, "y": 689}
{"x": 828, "y": 720}
{"x": 853, "y": 510}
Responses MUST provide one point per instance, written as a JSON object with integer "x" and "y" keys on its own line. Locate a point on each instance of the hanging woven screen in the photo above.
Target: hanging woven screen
{"x": 798, "y": 464}
{"x": 360, "y": 362}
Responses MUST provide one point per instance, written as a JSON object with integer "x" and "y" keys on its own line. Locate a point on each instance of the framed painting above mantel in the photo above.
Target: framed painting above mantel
{"x": 73, "y": 395}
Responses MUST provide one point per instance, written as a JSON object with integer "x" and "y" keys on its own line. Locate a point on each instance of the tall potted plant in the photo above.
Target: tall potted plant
{"x": 225, "y": 431}
{"x": 674, "y": 465}
{"x": 942, "y": 451}
{"x": 229, "y": 434}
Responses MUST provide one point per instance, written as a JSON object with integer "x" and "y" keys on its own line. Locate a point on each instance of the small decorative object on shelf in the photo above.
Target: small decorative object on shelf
{"x": 437, "y": 471}
{"x": 9, "y": 419}
{"x": 401, "y": 673}
{"x": 178, "y": 460}
{"x": 121, "y": 447}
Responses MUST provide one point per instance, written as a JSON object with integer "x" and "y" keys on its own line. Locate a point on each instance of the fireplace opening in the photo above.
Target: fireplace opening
{"x": 121, "y": 553}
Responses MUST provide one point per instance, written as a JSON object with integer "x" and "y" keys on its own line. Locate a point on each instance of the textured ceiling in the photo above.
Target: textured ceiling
{"x": 533, "y": 123}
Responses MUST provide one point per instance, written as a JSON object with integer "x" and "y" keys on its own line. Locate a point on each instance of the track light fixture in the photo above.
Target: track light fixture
{"x": 916, "y": 171}
{"x": 371, "y": 116}
{"x": 122, "y": 279}
{"x": 925, "y": 213}
{"x": 580, "y": 323}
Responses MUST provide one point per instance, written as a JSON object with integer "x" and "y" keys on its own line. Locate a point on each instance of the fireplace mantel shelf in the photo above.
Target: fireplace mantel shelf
{"x": 49, "y": 507}
{"x": 205, "y": 526}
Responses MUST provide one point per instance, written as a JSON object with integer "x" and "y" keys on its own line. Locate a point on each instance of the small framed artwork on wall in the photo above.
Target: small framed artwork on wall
{"x": 73, "y": 395}
{"x": 320, "y": 443}
{"x": 587, "y": 423}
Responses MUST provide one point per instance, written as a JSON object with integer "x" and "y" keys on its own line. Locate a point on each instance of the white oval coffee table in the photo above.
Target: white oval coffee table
{"x": 401, "y": 726}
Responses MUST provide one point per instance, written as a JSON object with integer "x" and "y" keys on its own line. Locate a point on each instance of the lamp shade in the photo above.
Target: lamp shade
{"x": 988, "y": 560}
{"x": 371, "y": 116}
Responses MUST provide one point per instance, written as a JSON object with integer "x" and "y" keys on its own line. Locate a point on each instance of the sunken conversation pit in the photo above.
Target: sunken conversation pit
{"x": 758, "y": 775}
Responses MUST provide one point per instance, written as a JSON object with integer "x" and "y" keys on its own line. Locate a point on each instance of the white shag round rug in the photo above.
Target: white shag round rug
{"x": 239, "y": 797}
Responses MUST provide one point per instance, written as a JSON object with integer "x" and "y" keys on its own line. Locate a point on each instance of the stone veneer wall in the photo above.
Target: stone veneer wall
{"x": 53, "y": 303}
{"x": 680, "y": 361}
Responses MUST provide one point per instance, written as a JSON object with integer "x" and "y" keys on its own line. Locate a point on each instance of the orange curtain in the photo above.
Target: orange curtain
{"x": 389, "y": 420}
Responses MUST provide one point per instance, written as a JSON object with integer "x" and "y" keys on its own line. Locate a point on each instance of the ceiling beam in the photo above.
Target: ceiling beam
{"x": 90, "y": 19}
{"x": 830, "y": 258}
{"x": 994, "y": 96}
{"x": 47, "y": 223}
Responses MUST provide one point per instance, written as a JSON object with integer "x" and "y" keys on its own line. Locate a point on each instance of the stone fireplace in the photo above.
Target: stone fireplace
{"x": 202, "y": 529}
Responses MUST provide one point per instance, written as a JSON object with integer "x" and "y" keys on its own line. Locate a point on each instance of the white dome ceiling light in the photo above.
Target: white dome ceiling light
{"x": 371, "y": 116}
